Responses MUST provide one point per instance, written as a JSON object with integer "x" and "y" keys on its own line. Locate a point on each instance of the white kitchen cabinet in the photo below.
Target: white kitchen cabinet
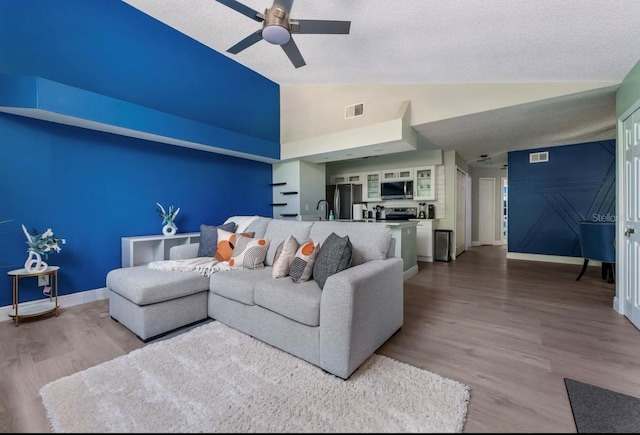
{"x": 355, "y": 178}
{"x": 141, "y": 250}
{"x": 424, "y": 185}
{"x": 397, "y": 174}
{"x": 371, "y": 190}
{"x": 424, "y": 240}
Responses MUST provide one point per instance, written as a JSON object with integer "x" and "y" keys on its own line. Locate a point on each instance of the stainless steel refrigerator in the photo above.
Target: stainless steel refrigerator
{"x": 341, "y": 198}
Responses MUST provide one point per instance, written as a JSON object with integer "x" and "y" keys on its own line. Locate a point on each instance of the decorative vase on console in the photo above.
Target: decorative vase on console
{"x": 40, "y": 245}
{"x": 169, "y": 228}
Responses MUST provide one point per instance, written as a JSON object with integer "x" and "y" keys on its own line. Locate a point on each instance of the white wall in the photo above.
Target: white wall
{"x": 308, "y": 111}
{"x": 308, "y": 179}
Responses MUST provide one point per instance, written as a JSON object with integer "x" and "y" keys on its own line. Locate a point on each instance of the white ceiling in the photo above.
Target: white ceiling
{"x": 445, "y": 41}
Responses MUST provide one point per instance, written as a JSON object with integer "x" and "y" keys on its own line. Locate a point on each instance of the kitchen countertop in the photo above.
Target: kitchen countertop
{"x": 391, "y": 223}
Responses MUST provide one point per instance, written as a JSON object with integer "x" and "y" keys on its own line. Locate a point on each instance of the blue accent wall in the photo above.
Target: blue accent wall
{"x": 113, "y": 49}
{"x": 91, "y": 187}
{"x": 547, "y": 200}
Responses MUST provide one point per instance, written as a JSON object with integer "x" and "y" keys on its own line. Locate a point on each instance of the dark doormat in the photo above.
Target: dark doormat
{"x": 597, "y": 410}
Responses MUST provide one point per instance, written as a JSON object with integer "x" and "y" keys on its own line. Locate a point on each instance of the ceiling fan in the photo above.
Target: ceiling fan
{"x": 277, "y": 28}
{"x": 483, "y": 158}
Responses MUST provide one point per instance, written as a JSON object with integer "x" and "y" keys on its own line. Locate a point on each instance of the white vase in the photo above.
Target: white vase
{"x": 169, "y": 229}
{"x": 34, "y": 263}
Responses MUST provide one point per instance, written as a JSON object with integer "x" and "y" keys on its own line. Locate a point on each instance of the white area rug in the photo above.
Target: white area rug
{"x": 216, "y": 379}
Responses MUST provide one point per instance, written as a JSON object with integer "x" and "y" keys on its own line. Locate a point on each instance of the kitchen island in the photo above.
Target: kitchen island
{"x": 404, "y": 232}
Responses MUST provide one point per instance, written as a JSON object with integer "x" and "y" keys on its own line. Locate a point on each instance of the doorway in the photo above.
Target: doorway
{"x": 486, "y": 211}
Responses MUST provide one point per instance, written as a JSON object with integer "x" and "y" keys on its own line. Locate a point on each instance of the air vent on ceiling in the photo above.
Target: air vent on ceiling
{"x": 354, "y": 111}
{"x": 539, "y": 157}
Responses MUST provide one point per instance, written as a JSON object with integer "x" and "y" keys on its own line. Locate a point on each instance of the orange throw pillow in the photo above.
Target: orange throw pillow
{"x": 226, "y": 242}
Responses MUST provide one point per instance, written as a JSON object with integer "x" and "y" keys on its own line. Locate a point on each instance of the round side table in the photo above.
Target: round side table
{"x": 39, "y": 308}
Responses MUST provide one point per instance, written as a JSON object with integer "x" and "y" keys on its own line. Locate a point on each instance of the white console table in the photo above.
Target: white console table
{"x": 141, "y": 250}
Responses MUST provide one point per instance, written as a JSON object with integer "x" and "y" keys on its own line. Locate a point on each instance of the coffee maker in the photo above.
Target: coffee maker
{"x": 422, "y": 214}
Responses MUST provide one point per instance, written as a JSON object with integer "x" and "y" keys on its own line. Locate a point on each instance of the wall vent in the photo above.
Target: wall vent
{"x": 539, "y": 157}
{"x": 354, "y": 111}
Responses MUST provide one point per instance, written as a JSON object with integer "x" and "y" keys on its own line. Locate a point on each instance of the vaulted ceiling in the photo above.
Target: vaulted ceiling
{"x": 446, "y": 42}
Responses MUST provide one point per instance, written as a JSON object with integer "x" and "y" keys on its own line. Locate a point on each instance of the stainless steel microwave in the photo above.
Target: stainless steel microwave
{"x": 397, "y": 189}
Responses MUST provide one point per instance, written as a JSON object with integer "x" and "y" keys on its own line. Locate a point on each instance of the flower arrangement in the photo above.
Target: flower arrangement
{"x": 167, "y": 217}
{"x": 43, "y": 244}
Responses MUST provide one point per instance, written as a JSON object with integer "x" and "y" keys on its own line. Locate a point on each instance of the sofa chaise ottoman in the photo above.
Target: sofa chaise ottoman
{"x": 153, "y": 302}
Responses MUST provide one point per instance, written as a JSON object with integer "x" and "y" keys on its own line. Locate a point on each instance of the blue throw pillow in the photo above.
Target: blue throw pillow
{"x": 209, "y": 238}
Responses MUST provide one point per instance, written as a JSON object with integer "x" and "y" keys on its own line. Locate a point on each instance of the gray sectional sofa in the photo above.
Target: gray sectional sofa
{"x": 336, "y": 328}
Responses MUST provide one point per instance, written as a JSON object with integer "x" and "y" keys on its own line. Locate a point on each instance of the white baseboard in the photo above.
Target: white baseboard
{"x": 616, "y": 305}
{"x": 409, "y": 272}
{"x": 550, "y": 258}
{"x": 427, "y": 259}
{"x": 63, "y": 301}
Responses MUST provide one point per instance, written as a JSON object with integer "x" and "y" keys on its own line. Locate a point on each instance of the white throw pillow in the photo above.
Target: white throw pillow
{"x": 249, "y": 252}
{"x": 302, "y": 264}
{"x": 283, "y": 257}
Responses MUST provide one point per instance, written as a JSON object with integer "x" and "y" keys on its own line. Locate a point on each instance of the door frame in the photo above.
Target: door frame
{"x": 504, "y": 214}
{"x": 467, "y": 221}
{"x": 469, "y": 210}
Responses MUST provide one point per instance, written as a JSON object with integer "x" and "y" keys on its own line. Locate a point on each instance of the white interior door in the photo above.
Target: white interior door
{"x": 486, "y": 211}
{"x": 461, "y": 212}
{"x": 628, "y": 264}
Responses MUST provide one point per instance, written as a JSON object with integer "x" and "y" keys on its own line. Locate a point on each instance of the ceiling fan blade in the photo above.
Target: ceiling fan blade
{"x": 244, "y": 10}
{"x": 285, "y": 5}
{"x": 320, "y": 26}
{"x": 291, "y": 49}
{"x": 246, "y": 42}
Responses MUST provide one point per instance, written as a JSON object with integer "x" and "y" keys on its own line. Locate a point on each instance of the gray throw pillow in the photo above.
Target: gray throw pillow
{"x": 334, "y": 256}
{"x": 209, "y": 238}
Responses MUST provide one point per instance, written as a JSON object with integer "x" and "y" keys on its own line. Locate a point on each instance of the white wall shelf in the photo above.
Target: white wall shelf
{"x": 141, "y": 250}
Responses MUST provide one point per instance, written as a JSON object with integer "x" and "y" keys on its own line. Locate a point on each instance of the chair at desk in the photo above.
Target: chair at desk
{"x": 597, "y": 242}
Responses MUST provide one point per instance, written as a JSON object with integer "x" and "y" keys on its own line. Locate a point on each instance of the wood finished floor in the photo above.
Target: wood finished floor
{"x": 510, "y": 329}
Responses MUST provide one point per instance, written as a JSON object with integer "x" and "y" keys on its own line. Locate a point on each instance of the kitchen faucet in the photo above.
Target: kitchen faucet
{"x": 326, "y": 211}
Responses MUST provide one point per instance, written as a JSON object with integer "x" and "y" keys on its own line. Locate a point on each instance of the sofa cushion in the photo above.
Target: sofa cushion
{"x": 369, "y": 241}
{"x": 334, "y": 257}
{"x": 242, "y": 222}
{"x": 144, "y": 286}
{"x": 299, "y": 302}
{"x": 302, "y": 265}
{"x": 249, "y": 252}
{"x": 258, "y": 226}
{"x": 283, "y": 257}
{"x": 280, "y": 229}
{"x": 209, "y": 238}
{"x": 226, "y": 243}
{"x": 238, "y": 285}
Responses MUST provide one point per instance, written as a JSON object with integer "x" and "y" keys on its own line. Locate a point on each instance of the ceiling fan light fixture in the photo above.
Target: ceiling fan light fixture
{"x": 276, "y": 34}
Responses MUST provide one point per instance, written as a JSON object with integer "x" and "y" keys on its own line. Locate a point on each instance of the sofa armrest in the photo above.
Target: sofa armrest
{"x": 184, "y": 252}
{"x": 361, "y": 307}
{"x": 392, "y": 248}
